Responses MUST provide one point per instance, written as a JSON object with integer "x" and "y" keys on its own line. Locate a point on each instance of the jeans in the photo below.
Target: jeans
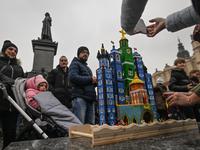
{"x": 84, "y": 110}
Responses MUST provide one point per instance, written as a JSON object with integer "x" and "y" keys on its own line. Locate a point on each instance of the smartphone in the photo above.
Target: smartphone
{"x": 141, "y": 26}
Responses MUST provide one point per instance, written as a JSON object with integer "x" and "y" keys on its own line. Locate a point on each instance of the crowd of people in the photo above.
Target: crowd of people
{"x": 182, "y": 83}
{"x": 74, "y": 86}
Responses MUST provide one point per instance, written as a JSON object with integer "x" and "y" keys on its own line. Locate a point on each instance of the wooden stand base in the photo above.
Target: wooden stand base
{"x": 110, "y": 134}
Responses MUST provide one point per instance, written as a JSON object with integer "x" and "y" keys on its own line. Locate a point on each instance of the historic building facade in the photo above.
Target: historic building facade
{"x": 192, "y": 62}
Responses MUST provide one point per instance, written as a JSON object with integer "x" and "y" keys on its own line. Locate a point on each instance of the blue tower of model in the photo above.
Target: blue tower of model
{"x": 146, "y": 78}
{"x": 107, "y": 110}
{"x": 138, "y": 66}
{"x": 151, "y": 93}
{"x": 116, "y": 65}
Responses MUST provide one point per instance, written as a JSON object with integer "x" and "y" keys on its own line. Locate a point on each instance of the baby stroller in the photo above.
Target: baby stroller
{"x": 50, "y": 122}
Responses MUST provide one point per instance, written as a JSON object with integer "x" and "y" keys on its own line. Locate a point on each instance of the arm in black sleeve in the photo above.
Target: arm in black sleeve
{"x": 51, "y": 79}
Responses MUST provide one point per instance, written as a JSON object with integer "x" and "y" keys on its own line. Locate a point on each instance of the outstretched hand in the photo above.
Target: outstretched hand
{"x": 159, "y": 25}
{"x": 178, "y": 99}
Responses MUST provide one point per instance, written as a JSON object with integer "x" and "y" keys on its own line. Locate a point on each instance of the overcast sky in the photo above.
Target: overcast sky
{"x": 90, "y": 23}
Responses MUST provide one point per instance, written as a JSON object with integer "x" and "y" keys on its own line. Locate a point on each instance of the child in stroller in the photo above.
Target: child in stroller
{"x": 43, "y": 107}
{"x": 34, "y": 86}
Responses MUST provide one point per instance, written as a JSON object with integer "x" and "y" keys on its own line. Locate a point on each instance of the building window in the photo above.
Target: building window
{"x": 150, "y": 92}
{"x": 128, "y": 51}
{"x": 119, "y": 74}
{"x": 100, "y": 90}
{"x": 111, "y": 58}
{"x": 112, "y": 123}
{"x": 99, "y": 76}
{"x": 100, "y": 82}
{"x": 140, "y": 66}
{"x": 130, "y": 72}
{"x": 113, "y": 110}
{"x": 141, "y": 75}
{"x": 117, "y": 57}
{"x": 111, "y": 116}
{"x": 108, "y": 109}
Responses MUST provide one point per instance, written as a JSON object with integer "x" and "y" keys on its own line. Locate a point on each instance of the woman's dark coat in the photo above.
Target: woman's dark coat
{"x": 10, "y": 69}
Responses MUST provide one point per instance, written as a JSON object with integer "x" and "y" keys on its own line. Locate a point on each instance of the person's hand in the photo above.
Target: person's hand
{"x": 178, "y": 99}
{"x": 190, "y": 86}
{"x": 188, "y": 93}
{"x": 167, "y": 94}
{"x": 94, "y": 79}
{"x": 159, "y": 25}
{"x": 136, "y": 32}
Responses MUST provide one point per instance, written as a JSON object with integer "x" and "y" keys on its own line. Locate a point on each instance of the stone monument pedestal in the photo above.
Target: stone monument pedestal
{"x": 44, "y": 51}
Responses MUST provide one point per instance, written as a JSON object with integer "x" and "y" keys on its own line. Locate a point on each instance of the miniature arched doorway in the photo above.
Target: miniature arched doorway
{"x": 125, "y": 119}
{"x": 148, "y": 117}
{"x": 134, "y": 120}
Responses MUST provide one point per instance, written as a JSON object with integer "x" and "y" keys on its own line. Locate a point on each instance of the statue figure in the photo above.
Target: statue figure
{"x": 46, "y": 29}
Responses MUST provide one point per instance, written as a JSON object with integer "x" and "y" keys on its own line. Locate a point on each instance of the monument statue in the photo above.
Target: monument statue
{"x": 46, "y": 29}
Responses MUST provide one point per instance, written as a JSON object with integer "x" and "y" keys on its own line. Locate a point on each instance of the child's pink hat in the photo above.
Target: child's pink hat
{"x": 39, "y": 79}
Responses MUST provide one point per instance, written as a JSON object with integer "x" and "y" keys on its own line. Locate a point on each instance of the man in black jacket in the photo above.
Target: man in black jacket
{"x": 83, "y": 91}
{"x": 59, "y": 83}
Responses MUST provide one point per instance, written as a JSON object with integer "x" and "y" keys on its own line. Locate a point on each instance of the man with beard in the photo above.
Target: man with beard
{"x": 59, "y": 83}
{"x": 83, "y": 90}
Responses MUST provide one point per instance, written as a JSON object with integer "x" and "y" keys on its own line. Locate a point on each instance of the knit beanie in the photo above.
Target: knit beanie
{"x": 39, "y": 79}
{"x": 82, "y": 48}
{"x": 7, "y": 44}
{"x": 159, "y": 80}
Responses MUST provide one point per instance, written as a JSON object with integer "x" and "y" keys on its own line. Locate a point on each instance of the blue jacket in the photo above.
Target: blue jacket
{"x": 80, "y": 75}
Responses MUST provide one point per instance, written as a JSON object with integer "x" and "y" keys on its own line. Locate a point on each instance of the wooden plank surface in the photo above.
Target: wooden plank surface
{"x": 109, "y": 134}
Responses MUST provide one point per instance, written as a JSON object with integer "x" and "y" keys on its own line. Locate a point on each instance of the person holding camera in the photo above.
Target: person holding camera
{"x": 180, "y": 82}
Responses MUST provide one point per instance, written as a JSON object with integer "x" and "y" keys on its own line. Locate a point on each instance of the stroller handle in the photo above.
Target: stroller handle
{"x": 36, "y": 127}
{"x": 3, "y": 88}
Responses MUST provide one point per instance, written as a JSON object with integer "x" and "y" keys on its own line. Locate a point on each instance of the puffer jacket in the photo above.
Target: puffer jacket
{"x": 80, "y": 75}
{"x": 179, "y": 80}
{"x": 10, "y": 69}
{"x": 60, "y": 85}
